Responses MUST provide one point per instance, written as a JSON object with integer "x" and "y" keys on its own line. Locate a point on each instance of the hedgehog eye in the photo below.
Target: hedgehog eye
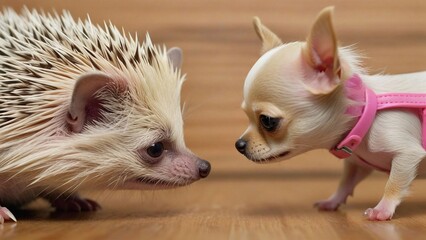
{"x": 155, "y": 150}
{"x": 270, "y": 124}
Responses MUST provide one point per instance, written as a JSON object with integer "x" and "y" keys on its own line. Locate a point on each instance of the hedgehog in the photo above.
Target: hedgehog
{"x": 84, "y": 106}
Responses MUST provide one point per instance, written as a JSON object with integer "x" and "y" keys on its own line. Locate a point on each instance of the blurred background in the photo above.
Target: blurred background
{"x": 220, "y": 46}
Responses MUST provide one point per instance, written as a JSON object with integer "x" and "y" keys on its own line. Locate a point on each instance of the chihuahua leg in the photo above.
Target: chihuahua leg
{"x": 352, "y": 175}
{"x": 403, "y": 172}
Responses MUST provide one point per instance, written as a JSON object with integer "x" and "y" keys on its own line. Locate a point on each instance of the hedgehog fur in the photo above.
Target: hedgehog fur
{"x": 41, "y": 56}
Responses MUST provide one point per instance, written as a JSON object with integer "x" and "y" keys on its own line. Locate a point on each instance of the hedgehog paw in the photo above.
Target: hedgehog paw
{"x": 75, "y": 204}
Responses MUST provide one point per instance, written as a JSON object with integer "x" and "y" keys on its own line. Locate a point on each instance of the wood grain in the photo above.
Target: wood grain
{"x": 241, "y": 200}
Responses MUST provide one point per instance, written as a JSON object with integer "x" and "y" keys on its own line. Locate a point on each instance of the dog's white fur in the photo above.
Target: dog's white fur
{"x": 302, "y": 83}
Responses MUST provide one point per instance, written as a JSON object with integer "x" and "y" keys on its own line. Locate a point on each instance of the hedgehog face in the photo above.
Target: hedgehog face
{"x": 161, "y": 158}
{"x": 84, "y": 107}
{"x": 166, "y": 163}
{"x": 133, "y": 121}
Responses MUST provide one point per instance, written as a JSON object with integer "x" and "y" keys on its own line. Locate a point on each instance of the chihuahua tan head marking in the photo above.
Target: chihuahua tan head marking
{"x": 266, "y": 94}
{"x": 268, "y": 38}
{"x": 291, "y": 89}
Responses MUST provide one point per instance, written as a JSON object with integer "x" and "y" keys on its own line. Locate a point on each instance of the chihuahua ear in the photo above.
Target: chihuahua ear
{"x": 269, "y": 39}
{"x": 175, "y": 57}
{"x": 84, "y": 107}
{"x": 320, "y": 52}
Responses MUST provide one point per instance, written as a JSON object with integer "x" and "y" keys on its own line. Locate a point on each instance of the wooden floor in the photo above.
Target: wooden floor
{"x": 242, "y": 200}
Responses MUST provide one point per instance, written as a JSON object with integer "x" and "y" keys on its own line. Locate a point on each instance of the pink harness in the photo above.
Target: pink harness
{"x": 374, "y": 102}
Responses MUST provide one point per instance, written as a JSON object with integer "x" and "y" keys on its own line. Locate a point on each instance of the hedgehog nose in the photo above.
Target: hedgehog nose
{"x": 203, "y": 168}
{"x": 241, "y": 145}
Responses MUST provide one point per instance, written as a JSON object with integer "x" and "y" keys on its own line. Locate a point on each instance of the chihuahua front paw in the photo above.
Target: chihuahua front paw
{"x": 383, "y": 211}
{"x": 327, "y": 205}
{"x": 375, "y": 214}
{"x": 5, "y": 215}
{"x": 75, "y": 204}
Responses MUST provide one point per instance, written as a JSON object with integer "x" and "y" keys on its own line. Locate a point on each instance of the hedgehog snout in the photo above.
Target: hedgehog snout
{"x": 189, "y": 166}
{"x": 203, "y": 168}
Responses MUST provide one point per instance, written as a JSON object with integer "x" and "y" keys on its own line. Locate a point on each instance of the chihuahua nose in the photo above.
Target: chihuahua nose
{"x": 203, "y": 168}
{"x": 241, "y": 145}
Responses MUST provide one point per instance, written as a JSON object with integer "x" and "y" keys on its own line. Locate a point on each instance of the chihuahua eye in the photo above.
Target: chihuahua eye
{"x": 155, "y": 150}
{"x": 270, "y": 124}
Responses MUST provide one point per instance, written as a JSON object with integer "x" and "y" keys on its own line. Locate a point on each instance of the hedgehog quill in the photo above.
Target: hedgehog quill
{"x": 83, "y": 107}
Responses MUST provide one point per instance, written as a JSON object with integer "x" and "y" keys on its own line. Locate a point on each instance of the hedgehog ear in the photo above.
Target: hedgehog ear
{"x": 84, "y": 106}
{"x": 269, "y": 39}
{"x": 175, "y": 57}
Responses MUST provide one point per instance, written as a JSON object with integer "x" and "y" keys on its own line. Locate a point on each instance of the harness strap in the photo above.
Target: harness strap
{"x": 345, "y": 148}
{"x": 401, "y": 100}
{"x": 373, "y": 103}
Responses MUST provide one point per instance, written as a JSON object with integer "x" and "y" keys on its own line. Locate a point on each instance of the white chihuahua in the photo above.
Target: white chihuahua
{"x": 302, "y": 96}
